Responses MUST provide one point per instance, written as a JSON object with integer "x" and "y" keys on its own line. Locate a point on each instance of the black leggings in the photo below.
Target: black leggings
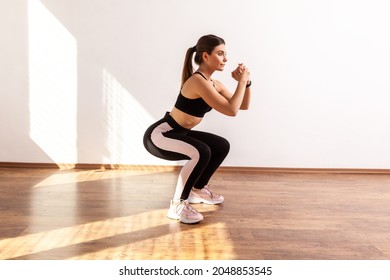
{"x": 204, "y": 151}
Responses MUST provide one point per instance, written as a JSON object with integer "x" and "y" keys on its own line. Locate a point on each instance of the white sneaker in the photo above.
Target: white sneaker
{"x": 204, "y": 196}
{"x": 184, "y": 212}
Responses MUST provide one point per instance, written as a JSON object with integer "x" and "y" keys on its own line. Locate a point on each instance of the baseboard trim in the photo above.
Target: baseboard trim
{"x": 167, "y": 168}
{"x": 304, "y": 170}
{"x": 88, "y": 166}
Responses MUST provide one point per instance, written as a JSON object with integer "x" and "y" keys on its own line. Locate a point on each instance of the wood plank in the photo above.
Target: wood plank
{"x": 121, "y": 214}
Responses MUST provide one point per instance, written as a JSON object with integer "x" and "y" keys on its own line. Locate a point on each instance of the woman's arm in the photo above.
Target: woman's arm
{"x": 218, "y": 96}
{"x": 227, "y": 94}
{"x": 247, "y": 99}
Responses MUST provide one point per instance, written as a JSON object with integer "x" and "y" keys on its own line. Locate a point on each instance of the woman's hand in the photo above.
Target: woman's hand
{"x": 241, "y": 73}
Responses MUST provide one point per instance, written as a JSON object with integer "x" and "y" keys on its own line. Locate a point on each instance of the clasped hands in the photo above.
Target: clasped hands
{"x": 241, "y": 73}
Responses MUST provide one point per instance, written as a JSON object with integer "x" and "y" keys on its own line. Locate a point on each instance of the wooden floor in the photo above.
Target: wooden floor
{"x": 121, "y": 214}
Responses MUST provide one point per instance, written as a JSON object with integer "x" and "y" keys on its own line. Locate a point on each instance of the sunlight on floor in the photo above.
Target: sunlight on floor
{"x": 53, "y": 84}
{"x": 195, "y": 243}
{"x": 63, "y": 225}
{"x": 148, "y": 235}
{"x": 91, "y": 175}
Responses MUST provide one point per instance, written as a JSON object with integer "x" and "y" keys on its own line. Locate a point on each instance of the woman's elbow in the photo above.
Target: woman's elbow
{"x": 232, "y": 112}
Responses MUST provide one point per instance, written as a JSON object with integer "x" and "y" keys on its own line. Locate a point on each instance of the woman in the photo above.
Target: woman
{"x": 173, "y": 137}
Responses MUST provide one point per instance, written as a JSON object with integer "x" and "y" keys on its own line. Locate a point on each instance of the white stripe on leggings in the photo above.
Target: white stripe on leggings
{"x": 177, "y": 146}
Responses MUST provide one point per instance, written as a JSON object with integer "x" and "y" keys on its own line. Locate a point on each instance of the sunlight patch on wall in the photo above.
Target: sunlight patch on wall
{"x": 127, "y": 121}
{"x": 52, "y": 85}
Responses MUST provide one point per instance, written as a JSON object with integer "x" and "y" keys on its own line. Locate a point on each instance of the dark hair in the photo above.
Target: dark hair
{"x": 206, "y": 44}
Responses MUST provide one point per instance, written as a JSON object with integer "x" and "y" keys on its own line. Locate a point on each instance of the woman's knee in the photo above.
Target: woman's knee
{"x": 223, "y": 146}
{"x": 204, "y": 153}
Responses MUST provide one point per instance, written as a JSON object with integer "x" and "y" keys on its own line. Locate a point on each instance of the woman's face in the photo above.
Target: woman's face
{"x": 217, "y": 59}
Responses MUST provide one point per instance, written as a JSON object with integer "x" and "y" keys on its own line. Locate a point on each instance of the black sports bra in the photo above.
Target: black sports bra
{"x": 195, "y": 107}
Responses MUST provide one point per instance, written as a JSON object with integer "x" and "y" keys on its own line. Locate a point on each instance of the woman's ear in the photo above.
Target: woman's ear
{"x": 205, "y": 56}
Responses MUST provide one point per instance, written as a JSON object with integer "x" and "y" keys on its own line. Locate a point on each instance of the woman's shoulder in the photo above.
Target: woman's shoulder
{"x": 219, "y": 86}
{"x": 217, "y": 82}
{"x": 197, "y": 86}
{"x": 195, "y": 82}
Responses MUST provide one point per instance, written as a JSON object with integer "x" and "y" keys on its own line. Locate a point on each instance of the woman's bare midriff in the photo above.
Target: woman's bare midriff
{"x": 183, "y": 119}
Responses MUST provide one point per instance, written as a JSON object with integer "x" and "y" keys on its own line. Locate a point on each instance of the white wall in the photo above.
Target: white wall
{"x": 81, "y": 80}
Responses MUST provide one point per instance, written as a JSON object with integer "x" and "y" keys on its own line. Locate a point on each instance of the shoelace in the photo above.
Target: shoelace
{"x": 206, "y": 188}
{"x": 189, "y": 207}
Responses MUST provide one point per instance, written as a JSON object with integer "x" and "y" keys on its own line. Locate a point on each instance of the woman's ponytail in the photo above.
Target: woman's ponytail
{"x": 188, "y": 68}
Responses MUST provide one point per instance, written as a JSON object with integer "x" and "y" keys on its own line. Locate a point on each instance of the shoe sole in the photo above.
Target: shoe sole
{"x": 190, "y": 221}
{"x": 175, "y": 217}
{"x": 200, "y": 200}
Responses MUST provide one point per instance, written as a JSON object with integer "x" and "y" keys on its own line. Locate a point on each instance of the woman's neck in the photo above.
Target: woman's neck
{"x": 206, "y": 72}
